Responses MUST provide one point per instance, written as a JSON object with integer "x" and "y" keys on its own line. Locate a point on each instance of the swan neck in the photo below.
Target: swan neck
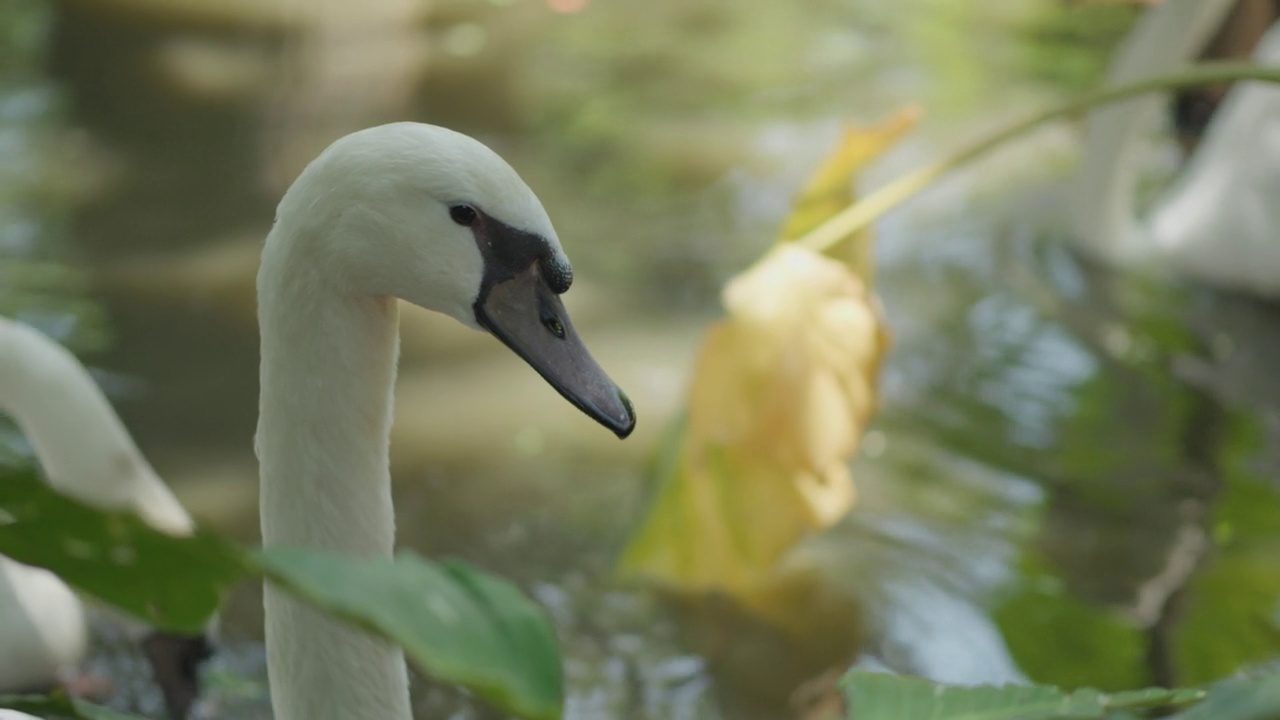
{"x": 327, "y": 373}
{"x": 328, "y": 367}
{"x": 83, "y": 448}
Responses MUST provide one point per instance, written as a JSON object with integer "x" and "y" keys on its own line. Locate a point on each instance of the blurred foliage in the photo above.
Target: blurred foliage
{"x": 976, "y": 55}
{"x": 42, "y": 177}
{"x": 1231, "y": 614}
{"x": 659, "y": 112}
{"x": 1134, "y": 449}
{"x": 454, "y": 622}
{"x": 685, "y": 84}
{"x": 673, "y": 91}
{"x": 1057, "y": 637}
{"x": 22, "y": 31}
{"x": 61, "y": 707}
{"x": 965, "y": 48}
{"x": 1067, "y": 44}
{"x": 1252, "y": 696}
{"x": 873, "y": 696}
{"x": 1119, "y": 518}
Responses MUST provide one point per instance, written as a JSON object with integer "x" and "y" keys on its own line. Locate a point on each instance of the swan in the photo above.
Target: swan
{"x": 1219, "y": 222}
{"x": 433, "y": 217}
{"x": 86, "y": 453}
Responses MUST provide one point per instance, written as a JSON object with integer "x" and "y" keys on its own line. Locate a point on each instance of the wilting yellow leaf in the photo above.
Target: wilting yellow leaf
{"x": 830, "y": 189}
{"x": 783, "y": 388}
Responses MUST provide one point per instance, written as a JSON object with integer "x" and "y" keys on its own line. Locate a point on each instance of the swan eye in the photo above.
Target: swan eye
{"x": 463, "y": 214}
{"x": 554, "y": 326}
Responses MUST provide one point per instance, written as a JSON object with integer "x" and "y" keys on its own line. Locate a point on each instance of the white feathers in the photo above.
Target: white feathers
{"x": 1219, "y": 221}
{"x": 367, "y": 221}
{"x": 86, "y": 453}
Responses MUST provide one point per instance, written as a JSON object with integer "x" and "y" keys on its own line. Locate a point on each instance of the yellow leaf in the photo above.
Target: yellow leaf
{"x": 782, "y": 390}
{"x": 830, "y": 189}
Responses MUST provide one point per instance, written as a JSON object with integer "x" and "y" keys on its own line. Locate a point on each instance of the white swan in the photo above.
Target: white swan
{"x": 1220, "y": 222}
{"x": 86, "y": 453}
{"x": 43, "y": 632}
{"x": 406, "y": 211}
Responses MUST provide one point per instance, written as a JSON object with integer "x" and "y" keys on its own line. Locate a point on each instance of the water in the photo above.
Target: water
{"x": 1055, "y": 442}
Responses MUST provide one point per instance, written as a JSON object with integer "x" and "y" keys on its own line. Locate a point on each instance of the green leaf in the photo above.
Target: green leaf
{"x": 875, "y": 696}
{"x": 58, "y": 705}
{"x": 172, "y": 583}
{"x": 1057, "y": 638}
{"x": 456, "y": 623}
{"x": 1256, "y": 698}
{"x": 1229, "y": 616}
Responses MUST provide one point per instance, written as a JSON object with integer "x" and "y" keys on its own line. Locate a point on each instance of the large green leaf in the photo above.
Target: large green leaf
{"x": 875, "y": 696}
{"x": 173, "y": 583}
{"x": 456, "y": 623}
{"x": 1056, "y": 637}
{"x": 1256, "y": 698}
{"x": 60, "y": 706}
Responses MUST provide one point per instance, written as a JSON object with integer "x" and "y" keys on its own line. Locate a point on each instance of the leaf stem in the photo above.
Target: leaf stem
{"x": 863, "y": 213}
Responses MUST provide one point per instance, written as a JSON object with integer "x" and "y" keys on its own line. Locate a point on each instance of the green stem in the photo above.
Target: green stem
{"x": 863, "y": 213}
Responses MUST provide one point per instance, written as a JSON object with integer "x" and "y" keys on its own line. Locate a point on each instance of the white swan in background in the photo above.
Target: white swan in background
{"x": 1220, "y": 221}
{"x": 406, "y": 211}
{"x": 86, "y": 453}
{"x": 43, "y": 631}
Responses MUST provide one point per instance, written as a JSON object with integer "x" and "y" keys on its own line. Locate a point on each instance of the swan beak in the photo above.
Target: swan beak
{"x": 527, "y": 316}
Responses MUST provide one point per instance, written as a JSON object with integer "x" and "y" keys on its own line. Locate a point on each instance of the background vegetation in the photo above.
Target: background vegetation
{"x": 1018, "y": 457}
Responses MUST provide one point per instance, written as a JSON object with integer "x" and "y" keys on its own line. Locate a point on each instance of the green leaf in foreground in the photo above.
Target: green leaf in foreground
{"x": 59, "y": 705}
{"x": 172, "y": 583}
{"x": 876, "y": 696}
{"x": 454, "y": 622}
{"x": 1255, "y": 698}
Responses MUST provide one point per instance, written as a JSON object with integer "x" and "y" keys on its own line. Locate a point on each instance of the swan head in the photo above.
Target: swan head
{"x": 436, "y": 218}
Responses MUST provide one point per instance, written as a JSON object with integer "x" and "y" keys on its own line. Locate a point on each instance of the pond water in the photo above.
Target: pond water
{"x": 1073, "y": 474}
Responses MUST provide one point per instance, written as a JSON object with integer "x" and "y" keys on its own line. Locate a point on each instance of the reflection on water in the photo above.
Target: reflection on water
{"x": 1126, "y": 404}
{"x": 1065, "y": 483}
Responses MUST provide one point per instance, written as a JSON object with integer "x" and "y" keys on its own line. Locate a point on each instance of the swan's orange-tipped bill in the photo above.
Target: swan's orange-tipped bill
{"x": 525, "y": 314}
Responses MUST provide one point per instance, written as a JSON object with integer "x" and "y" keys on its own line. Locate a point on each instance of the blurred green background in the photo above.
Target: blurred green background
{"x": 1055, "y": 441}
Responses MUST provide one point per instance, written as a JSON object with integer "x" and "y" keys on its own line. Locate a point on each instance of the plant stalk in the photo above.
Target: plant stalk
{"x": 864, "y": 212}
